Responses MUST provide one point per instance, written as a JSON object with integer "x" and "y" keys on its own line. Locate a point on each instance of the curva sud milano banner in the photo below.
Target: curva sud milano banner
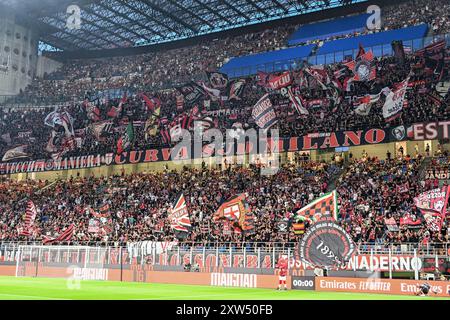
{"x": 314, "y": 141}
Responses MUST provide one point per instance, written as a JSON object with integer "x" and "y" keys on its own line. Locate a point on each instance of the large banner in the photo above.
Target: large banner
{"x": 326, "y": 244}
{"x": 313, "y": 141}
{"x": 395, "y": 101}
{"x": 264, "y": 113}
{"x": 432, "y": 205}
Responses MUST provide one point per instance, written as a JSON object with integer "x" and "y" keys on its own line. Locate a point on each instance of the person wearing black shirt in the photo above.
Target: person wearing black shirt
{"x": 424, "y": 289}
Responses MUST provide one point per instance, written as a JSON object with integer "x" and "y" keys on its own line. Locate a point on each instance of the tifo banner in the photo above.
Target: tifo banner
{"x": 179, "y": 215}
{"x": 433, "y": 204}
{"x": 326, "y": 244}
{"x": 313, "y": 141}
{"x": 395, "y": 101}
{"x": 264, "y": 113}
{"x": 323, "y": 207}
{"x": 281, "y": 81}
{"x": 440, "y": 174}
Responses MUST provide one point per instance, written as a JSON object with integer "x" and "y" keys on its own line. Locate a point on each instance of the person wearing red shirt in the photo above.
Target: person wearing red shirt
{"x": 282, "y": 274}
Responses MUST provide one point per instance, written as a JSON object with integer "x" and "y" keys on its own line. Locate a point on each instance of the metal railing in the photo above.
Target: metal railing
{"x": 252, "y": 247}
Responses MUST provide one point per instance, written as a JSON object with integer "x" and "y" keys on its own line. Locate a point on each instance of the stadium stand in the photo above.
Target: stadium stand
{"x": 88, "y": 107}
{"x": 251, "y": 64}
{"x": 376, "y": 39}
{"x": 424, "y": 104}
{"x": 328, "y": 29}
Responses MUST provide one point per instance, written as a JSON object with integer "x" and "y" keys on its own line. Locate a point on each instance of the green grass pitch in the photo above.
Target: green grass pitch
{"x": 12, "y": 288}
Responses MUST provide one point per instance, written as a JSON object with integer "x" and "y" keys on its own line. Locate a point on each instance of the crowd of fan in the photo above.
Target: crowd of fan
{"x": 369, "y": 194}
{"x": 166, "y": 69}
{"x": 160, "y": 70}
{"x": 139, "y": 203}
{"x": 331, "y": 116}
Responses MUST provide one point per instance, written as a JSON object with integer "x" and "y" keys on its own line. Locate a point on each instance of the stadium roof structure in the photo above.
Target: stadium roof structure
{"x": 107, "y": 24}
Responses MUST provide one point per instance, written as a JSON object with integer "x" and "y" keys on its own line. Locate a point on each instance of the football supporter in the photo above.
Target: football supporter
{"x": 282, "y": 267}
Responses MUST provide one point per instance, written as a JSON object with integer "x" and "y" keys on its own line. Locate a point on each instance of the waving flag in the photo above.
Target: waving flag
{"x": 262, "y": 79}
{"x": 325, "y": 206}
{"x": 64, "y": 119}
{"x": 30, "y": 217}
{"x": 363, "y": 67}
{"x": 214, "y": 94}
{"x": 432, "y": 48}
{"x": 364, "y": 104}
{"x": 236, "y": 89}
{"x": 433, "y": 206}
{"x": 15, "y": 153}
{"x": 320, "y": 74}
{"x": 191, "y": 92}
{"x": 94, "y": 226}
{"x": 179, "y": 215}
{"x": 410, "y": 221}
{"x": 264, "y": 113}
{"x": 101, "y": 129}
{"x": 126, "y": 139}
{"x": 66, "y": 235}
{"x": 152, "y": 104}
{"x": 298, "y": 103}
{"x": 391, "y": 225}
{"x": 236, "y": 210}
{"x": 395, "y": 101}
{"x": 217, "y": 80}
{"x": 114, "y": 112}
{"x": 281, "y": 81}
{"x": 92, "y": 111}
{"x": 299, "y": 226}
{"x": 152, "y": 123}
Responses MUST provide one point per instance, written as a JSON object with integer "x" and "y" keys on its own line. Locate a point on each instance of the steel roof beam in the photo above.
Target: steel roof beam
{"x": 279, "y": 5}
{"x": 110, "y": 21}
{"x": 109, "y": 9}
{"x": 255, "y": 6}
{"x": 170, "y": 15}
{"x": 73, "y": 35}
{"x": 215, "y": 12}
{"x": 144, "y": 15}
{"x": 158, "y": 21}
{"x": 240, "y": 13}
{"x": 192, "y": 13}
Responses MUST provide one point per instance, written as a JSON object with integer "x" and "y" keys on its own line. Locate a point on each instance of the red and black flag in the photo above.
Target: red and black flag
{"x": 115, "y": 112}
{"x": 432, "y": 48}
{"x": 152, "y": 103}
{"x": 127, "y": 139}
{"x": 363, "y": 67}
{"x": 237, "y": 210}
{"x": 323, "y": 207}
{"x": 433, "y": 207}
{"x": 179, "y": 215}
{"x": 103, "y": 211}
{"x": 30, "y": 217}
{"x": 217, "y": 80}
{"x": 66, "y": 235}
